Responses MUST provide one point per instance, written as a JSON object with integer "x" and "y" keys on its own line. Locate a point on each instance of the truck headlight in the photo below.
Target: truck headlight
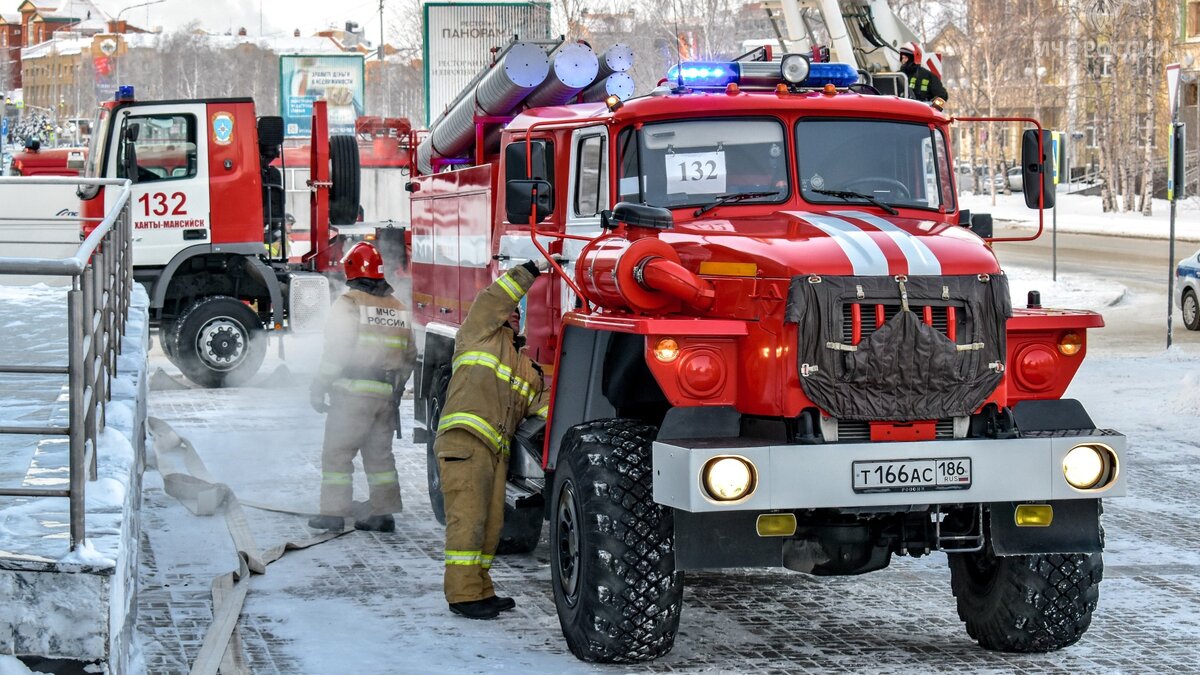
{"x": 728, "y": 479}
{"x": 1090, "y": 466}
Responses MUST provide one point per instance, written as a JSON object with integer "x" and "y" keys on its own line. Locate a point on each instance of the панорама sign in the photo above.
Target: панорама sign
{"x": 459, "y": 38}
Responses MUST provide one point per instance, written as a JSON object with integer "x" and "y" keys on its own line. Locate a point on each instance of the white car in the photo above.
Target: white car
{"x": 1187, "y": 289}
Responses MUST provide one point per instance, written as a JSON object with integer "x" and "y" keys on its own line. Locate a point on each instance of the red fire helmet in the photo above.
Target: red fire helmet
{"x": 363, "y": 262}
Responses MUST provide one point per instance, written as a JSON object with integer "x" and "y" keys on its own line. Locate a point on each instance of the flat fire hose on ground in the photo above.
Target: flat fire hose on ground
{"x": 187, "y": 479}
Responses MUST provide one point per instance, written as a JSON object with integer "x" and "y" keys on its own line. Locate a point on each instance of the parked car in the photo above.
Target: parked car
{"x": 1009, "y": 180}
{"x": 1187, "y": 289}
{"x": 1013, "y": 176}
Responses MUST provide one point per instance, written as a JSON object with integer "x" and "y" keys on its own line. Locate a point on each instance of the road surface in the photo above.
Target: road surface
{"x": 1136, "y": 322}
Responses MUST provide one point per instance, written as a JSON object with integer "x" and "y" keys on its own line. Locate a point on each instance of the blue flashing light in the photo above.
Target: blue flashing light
{"x": 838, "y": 74}
{"x": 704, "y": 74}
{"x": 124, "y": 93}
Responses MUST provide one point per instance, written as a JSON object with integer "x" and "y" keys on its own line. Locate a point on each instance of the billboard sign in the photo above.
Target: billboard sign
{"x": 459, "y": 38}
{"x": 337, "y": 79}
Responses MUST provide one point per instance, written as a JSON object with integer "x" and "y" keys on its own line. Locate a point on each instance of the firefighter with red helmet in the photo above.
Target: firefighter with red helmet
{"x": 367, "y": 358}
{"x": 492, "y": 388}
{"x": 923, "y": 84}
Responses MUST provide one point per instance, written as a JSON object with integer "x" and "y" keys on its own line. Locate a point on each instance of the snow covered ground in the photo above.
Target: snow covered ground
{"x": 1083, "y": 214}
{"x": 372, "y": 603}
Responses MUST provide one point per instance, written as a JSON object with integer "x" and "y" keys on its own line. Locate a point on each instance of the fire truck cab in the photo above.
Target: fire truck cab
{"x": 775, "y": 340}
{"x": 208, "y": 214}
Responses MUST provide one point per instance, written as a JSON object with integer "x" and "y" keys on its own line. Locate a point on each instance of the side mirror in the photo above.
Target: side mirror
{"x": 520, "y": 201}
{"x": 981, "y": 224}
{"x": 1036, "y": 169}
{"x": 128, "y": 156}
{"x": 642, "y": 215}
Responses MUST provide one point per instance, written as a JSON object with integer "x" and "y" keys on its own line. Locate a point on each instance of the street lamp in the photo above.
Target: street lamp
{"x": 118, "y": 20}
{"x": 142, "y": 4}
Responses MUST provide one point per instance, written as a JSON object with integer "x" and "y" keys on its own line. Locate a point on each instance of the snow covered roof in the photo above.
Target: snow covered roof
{"x": 10, "y": 18}
{"x": 75, "y": 10}
{"x": 278, "y": 45}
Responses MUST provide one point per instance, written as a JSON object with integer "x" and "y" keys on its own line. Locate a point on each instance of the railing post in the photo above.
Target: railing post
{"x": 78, "y": 438}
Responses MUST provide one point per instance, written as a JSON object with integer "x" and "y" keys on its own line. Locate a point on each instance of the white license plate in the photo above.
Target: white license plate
{"x": 912, "y": 475}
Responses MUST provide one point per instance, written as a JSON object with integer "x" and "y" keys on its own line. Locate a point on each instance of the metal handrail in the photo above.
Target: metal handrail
{"x": 101, "y": 274}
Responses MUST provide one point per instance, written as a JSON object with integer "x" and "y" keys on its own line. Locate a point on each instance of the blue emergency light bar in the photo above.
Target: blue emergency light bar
{"x": 720, "y": 74}
{"x": 124, "y": 93}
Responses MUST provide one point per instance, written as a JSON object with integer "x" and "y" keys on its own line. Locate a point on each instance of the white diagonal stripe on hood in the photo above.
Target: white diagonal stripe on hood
{"x": 865, "y": 256}
{"x": 921, "y": 260}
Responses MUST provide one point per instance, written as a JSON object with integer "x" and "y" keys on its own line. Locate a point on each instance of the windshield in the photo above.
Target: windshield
{"x": 99, "y": 132}
{"x": 694, "y": 162}
{"x": 896, "y": 163}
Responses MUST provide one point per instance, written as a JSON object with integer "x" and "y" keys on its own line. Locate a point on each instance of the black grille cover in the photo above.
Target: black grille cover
{"x": 905, "y": 370}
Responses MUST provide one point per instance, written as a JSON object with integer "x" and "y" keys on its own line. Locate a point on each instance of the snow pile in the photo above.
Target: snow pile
{"x": 1084, "y": 214}
{"x": 85, "y": 554}
{"x": 1071, "y": 291}
{"x": 11, "y": 665}
{"x": 1187, "y": 399}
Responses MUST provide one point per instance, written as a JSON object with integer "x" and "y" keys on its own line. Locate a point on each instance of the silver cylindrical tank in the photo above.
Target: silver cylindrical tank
{"x": 620, "y": 84}
{"x": 616, "y": 59}
{"x": 500, "y": 91}
{"x": 425, "y": 156}
{"x": 575, "y": 67}
{"x": 524, "y": 67}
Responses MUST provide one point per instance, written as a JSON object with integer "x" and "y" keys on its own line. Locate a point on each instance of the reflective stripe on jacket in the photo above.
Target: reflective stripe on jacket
{"x": 366, "y": 337}
{"x": 493, "y": 386}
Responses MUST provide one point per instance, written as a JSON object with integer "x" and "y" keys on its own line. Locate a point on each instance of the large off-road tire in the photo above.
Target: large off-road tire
{"x": 344, "y": 174}
{"x": 1028, "y": 603}
{"x": 219, "y": 342}
{"x": 166, "y": 339}
{"x": 612, "y": 547}
{"x": 1191, "y": 310}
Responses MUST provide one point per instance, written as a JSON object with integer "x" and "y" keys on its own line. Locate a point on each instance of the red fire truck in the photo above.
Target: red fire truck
{"x": 776, "y": 340}
{"x": 206, "y": 202}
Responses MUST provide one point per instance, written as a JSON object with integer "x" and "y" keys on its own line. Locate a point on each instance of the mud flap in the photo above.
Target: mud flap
{"x": 1074, "y": 529}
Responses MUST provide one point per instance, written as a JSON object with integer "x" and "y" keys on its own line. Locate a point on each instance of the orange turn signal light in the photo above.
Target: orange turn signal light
{"x": 666, "y": 350}
{"x": 1070, "y": 344}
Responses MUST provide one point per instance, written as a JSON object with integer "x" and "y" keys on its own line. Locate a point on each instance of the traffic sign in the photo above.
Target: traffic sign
{"x": 4, "y": 127}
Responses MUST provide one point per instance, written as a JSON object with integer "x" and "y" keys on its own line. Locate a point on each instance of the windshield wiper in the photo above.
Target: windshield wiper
{"x": 730, "y": 198}
{"x": 848, "y": 195}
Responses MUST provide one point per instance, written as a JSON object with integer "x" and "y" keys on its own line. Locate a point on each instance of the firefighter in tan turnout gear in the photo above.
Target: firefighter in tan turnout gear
{"x": 367, "y": 358}
{"x": 493, "y": 387}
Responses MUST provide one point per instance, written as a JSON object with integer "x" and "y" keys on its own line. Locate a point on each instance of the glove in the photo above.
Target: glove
{"x": 316, "y": 399}
{"x": 540, "y": 264}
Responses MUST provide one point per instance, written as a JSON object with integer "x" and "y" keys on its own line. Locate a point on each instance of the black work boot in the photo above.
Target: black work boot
{"x": 331, "y": 523}
{"x": 476, "y": 609}
{"x": 501, "y": 603}
{"x": 384, "y": 523}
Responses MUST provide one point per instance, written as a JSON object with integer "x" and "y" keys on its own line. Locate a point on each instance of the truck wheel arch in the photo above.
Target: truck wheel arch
{"x": 247, "y": 252}
{"x": 602, "y": 372}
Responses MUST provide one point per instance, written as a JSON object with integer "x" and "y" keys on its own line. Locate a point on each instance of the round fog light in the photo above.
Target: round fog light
{"x": 728, "y": 479}
{"x": 1084, "y": 466}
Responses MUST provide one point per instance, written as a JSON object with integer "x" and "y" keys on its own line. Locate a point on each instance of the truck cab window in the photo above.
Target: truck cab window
{"x": 897, "y": 163}
{"x": 165, "y": 147}
{"x": 591, "y": 176}
{"x": 691, "y": 162}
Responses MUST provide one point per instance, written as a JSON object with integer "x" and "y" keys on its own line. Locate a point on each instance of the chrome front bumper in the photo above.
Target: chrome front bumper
{"x": 819, "y": 476}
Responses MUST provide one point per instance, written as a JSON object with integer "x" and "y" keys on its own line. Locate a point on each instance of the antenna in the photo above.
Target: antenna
{"x": 678, "y": 55}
